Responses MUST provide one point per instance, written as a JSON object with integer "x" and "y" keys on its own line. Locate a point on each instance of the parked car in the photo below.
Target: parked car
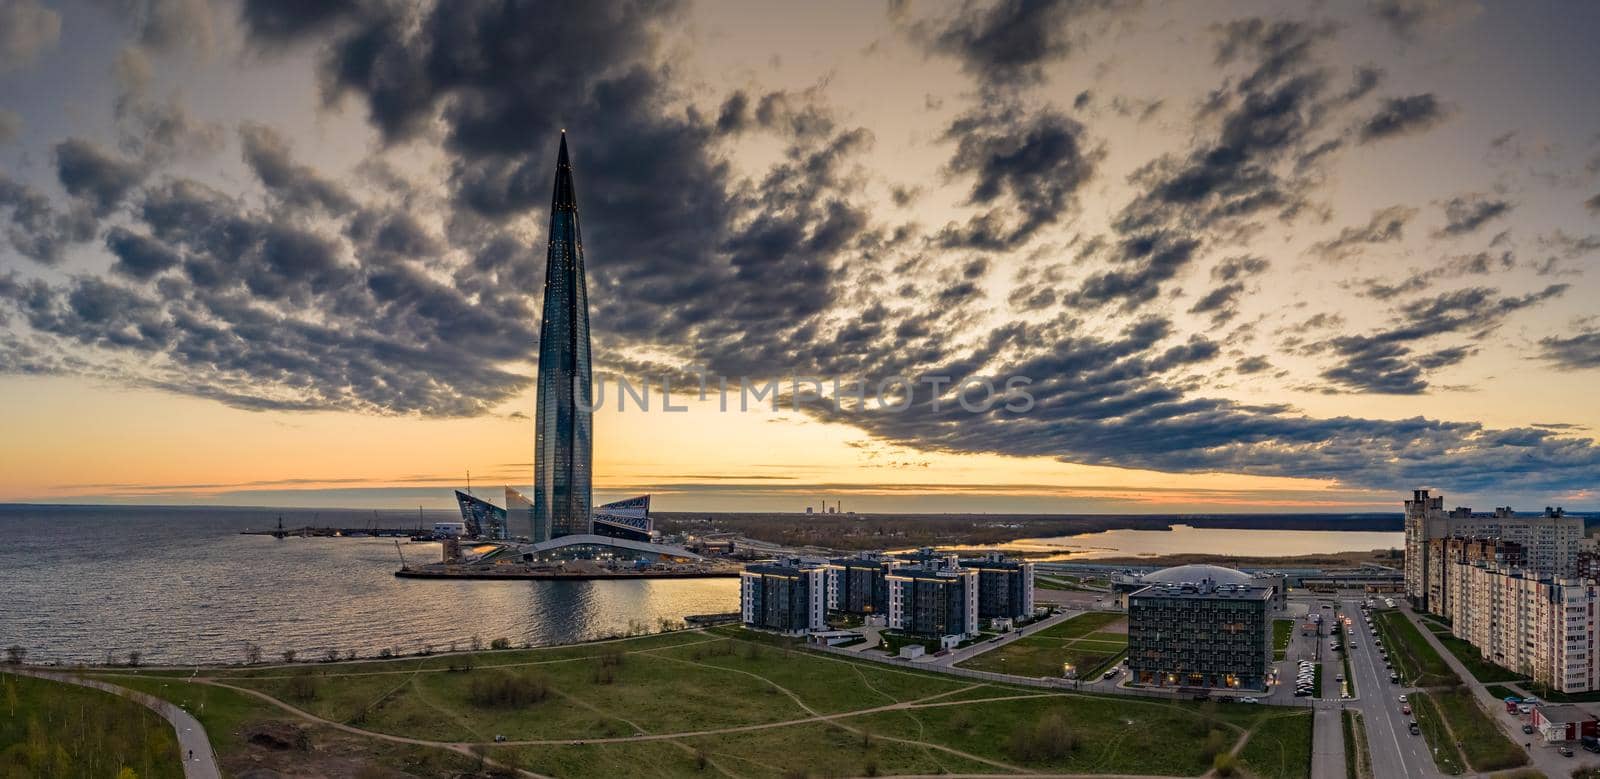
{"x": 1414, "y": 729}
{"x": 1565, "y": 751}
{"x": 1402, "y": 699}
{"x": 1405, "y": 709}
{"x": 1526, "y": 728}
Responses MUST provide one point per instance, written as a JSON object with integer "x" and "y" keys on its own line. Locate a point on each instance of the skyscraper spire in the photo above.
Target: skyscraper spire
{"x": 564, "y": 423}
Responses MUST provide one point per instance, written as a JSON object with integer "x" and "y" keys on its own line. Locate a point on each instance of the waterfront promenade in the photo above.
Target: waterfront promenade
{"x": 191, "y": 734}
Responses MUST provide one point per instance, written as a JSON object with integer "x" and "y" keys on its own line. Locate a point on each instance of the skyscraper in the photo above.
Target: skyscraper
{"x": 564, "y": 425}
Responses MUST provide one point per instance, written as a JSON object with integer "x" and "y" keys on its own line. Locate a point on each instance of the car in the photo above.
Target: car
{"x": 1591, "y": 746}
{"x": 1414, "y": 729}
{"x": 1565, "y": 751}
{"x": 1353, "y": 645}
{"x": 1524, "y": 709}
{"x": 1394, "y": 678}
{"x": 1339, "y": 678}
{"x": 1225, "y": 698}
{"x": 1526, "y": 728}
{"x": 1405, "y": 709}
{"x": 1402, "y": 699}
{"x": 1249, "y": 700}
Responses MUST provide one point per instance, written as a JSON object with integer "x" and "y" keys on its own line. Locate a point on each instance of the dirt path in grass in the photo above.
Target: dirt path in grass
{"x": 447, "y": 669}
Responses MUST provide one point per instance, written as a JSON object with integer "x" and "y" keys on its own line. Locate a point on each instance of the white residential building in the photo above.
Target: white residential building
{"x": 1542, "y": 626}
{"x": 1551, "y": 541}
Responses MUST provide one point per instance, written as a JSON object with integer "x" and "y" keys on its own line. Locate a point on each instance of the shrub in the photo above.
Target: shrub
{"x": 303, "y": 687}
{"x": 505, "y": 690}
{"x": 500, "y": 643}
{"x": 1048, "y": 739}
{"x": 1224, "y": 764}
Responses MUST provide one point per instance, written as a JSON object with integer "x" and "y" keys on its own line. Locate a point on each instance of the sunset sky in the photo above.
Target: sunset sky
{"x": 1251, "y": 256}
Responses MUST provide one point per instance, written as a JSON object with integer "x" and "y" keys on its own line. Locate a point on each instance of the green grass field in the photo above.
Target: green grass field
{"x": 1483, "y": 743}
{"x": 1416, "y": 660}
{"x": 727, "y": 701}
{"x": 1282, "y": 631}
{"x": 732, "y": 701}
{"x": 52, "y": 729}
{"x": 1084, "y": 641}
{"x": 1481, "y": 669}
{"x": 1445, "y": 754}
{"x": 1280, "y": 747}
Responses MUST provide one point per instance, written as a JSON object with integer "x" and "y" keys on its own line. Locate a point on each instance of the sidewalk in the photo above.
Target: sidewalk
{"x": 1542, "y": 755}
{"x": 191, "y": 735}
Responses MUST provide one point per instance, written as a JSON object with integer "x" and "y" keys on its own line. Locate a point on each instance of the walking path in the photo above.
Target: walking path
{"x": 967, "y": 653}
{"x": 1541, "y": 755}
{"x": 191, "y": 735}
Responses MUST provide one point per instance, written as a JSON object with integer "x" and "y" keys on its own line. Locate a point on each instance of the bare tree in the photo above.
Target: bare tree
{"x": 288, "y": 655}
{"x": 252, "y": 653}
{"x": 15, "y": 654}
{"x": 133, "y": 658}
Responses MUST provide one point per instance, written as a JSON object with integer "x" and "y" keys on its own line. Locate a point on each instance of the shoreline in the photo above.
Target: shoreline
{"x": 415, "y": 573}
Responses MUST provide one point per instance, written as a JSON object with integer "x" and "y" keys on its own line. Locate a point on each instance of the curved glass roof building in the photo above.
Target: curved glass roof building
{"x": 564, "y": 420}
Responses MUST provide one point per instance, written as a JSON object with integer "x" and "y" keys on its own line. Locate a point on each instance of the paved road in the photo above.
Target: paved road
{"x": 191, "y": 735}
{"x": 1327, "y": 744}
{"x": 1395, "y": 752}
{"x": 1542, "y": 754}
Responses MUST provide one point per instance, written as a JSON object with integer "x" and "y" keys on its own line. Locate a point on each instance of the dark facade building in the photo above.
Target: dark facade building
{"x": 1005, "y": 588}
{"x": 564, "y": 419}
{"x": 934, "y": 602}
{"x": 482, "y": 518}
{"x": 859, "y": 585}
{"x": 1216, "y": 632}
{"x": 789, "y": 597}
{"x": 628, "y": 519}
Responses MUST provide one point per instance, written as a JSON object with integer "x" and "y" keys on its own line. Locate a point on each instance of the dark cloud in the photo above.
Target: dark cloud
{"x": 1115, "y": 401}
{"x": 1028, "y": 164}
{"x": 26, "y": 29}
{"x": 1235, "y": 175}
{"x": 298, "y": 186}
{"x": 1466, "y": 213}
{"x": 1386, "y": 225}
{"x": 1385, "y": 361}
{"x": 1007, "y": 43}
{"x": 1401, "y": 116}
{"x": 139, "y": 256}
{"x": 280, "y": 21}
{"x": 1255, "y": 364}
{"x": 37, "y": 229}
{"x": 95, "y": 175}
{"x": 1407, "y": 18}
{"x": 1593, "y": 204}
{"x": 1573, "y": 353}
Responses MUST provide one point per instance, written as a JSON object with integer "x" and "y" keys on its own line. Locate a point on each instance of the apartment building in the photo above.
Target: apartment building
{"x": 1539, "y": 625}
{"x": 1551, "y": 541}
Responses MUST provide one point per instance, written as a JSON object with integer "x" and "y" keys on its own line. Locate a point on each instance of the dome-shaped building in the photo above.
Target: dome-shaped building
{"x": 1199, "y": 573}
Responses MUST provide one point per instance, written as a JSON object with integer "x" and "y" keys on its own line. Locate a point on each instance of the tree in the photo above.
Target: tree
{"x": 288, "y": 655}
{"x": 127, "y": 773}
{"x": 133, "y": 658}
{"x": 477, "y": 643}
{"x": 500, "y": 643}
{"x": 332, "y": 656}
{"x": 252, "y": 653}
{"x": 15, "y": 654}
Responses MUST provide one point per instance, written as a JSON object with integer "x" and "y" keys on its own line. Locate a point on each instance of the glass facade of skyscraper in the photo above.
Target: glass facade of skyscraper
{"x": 564, "y": 422}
